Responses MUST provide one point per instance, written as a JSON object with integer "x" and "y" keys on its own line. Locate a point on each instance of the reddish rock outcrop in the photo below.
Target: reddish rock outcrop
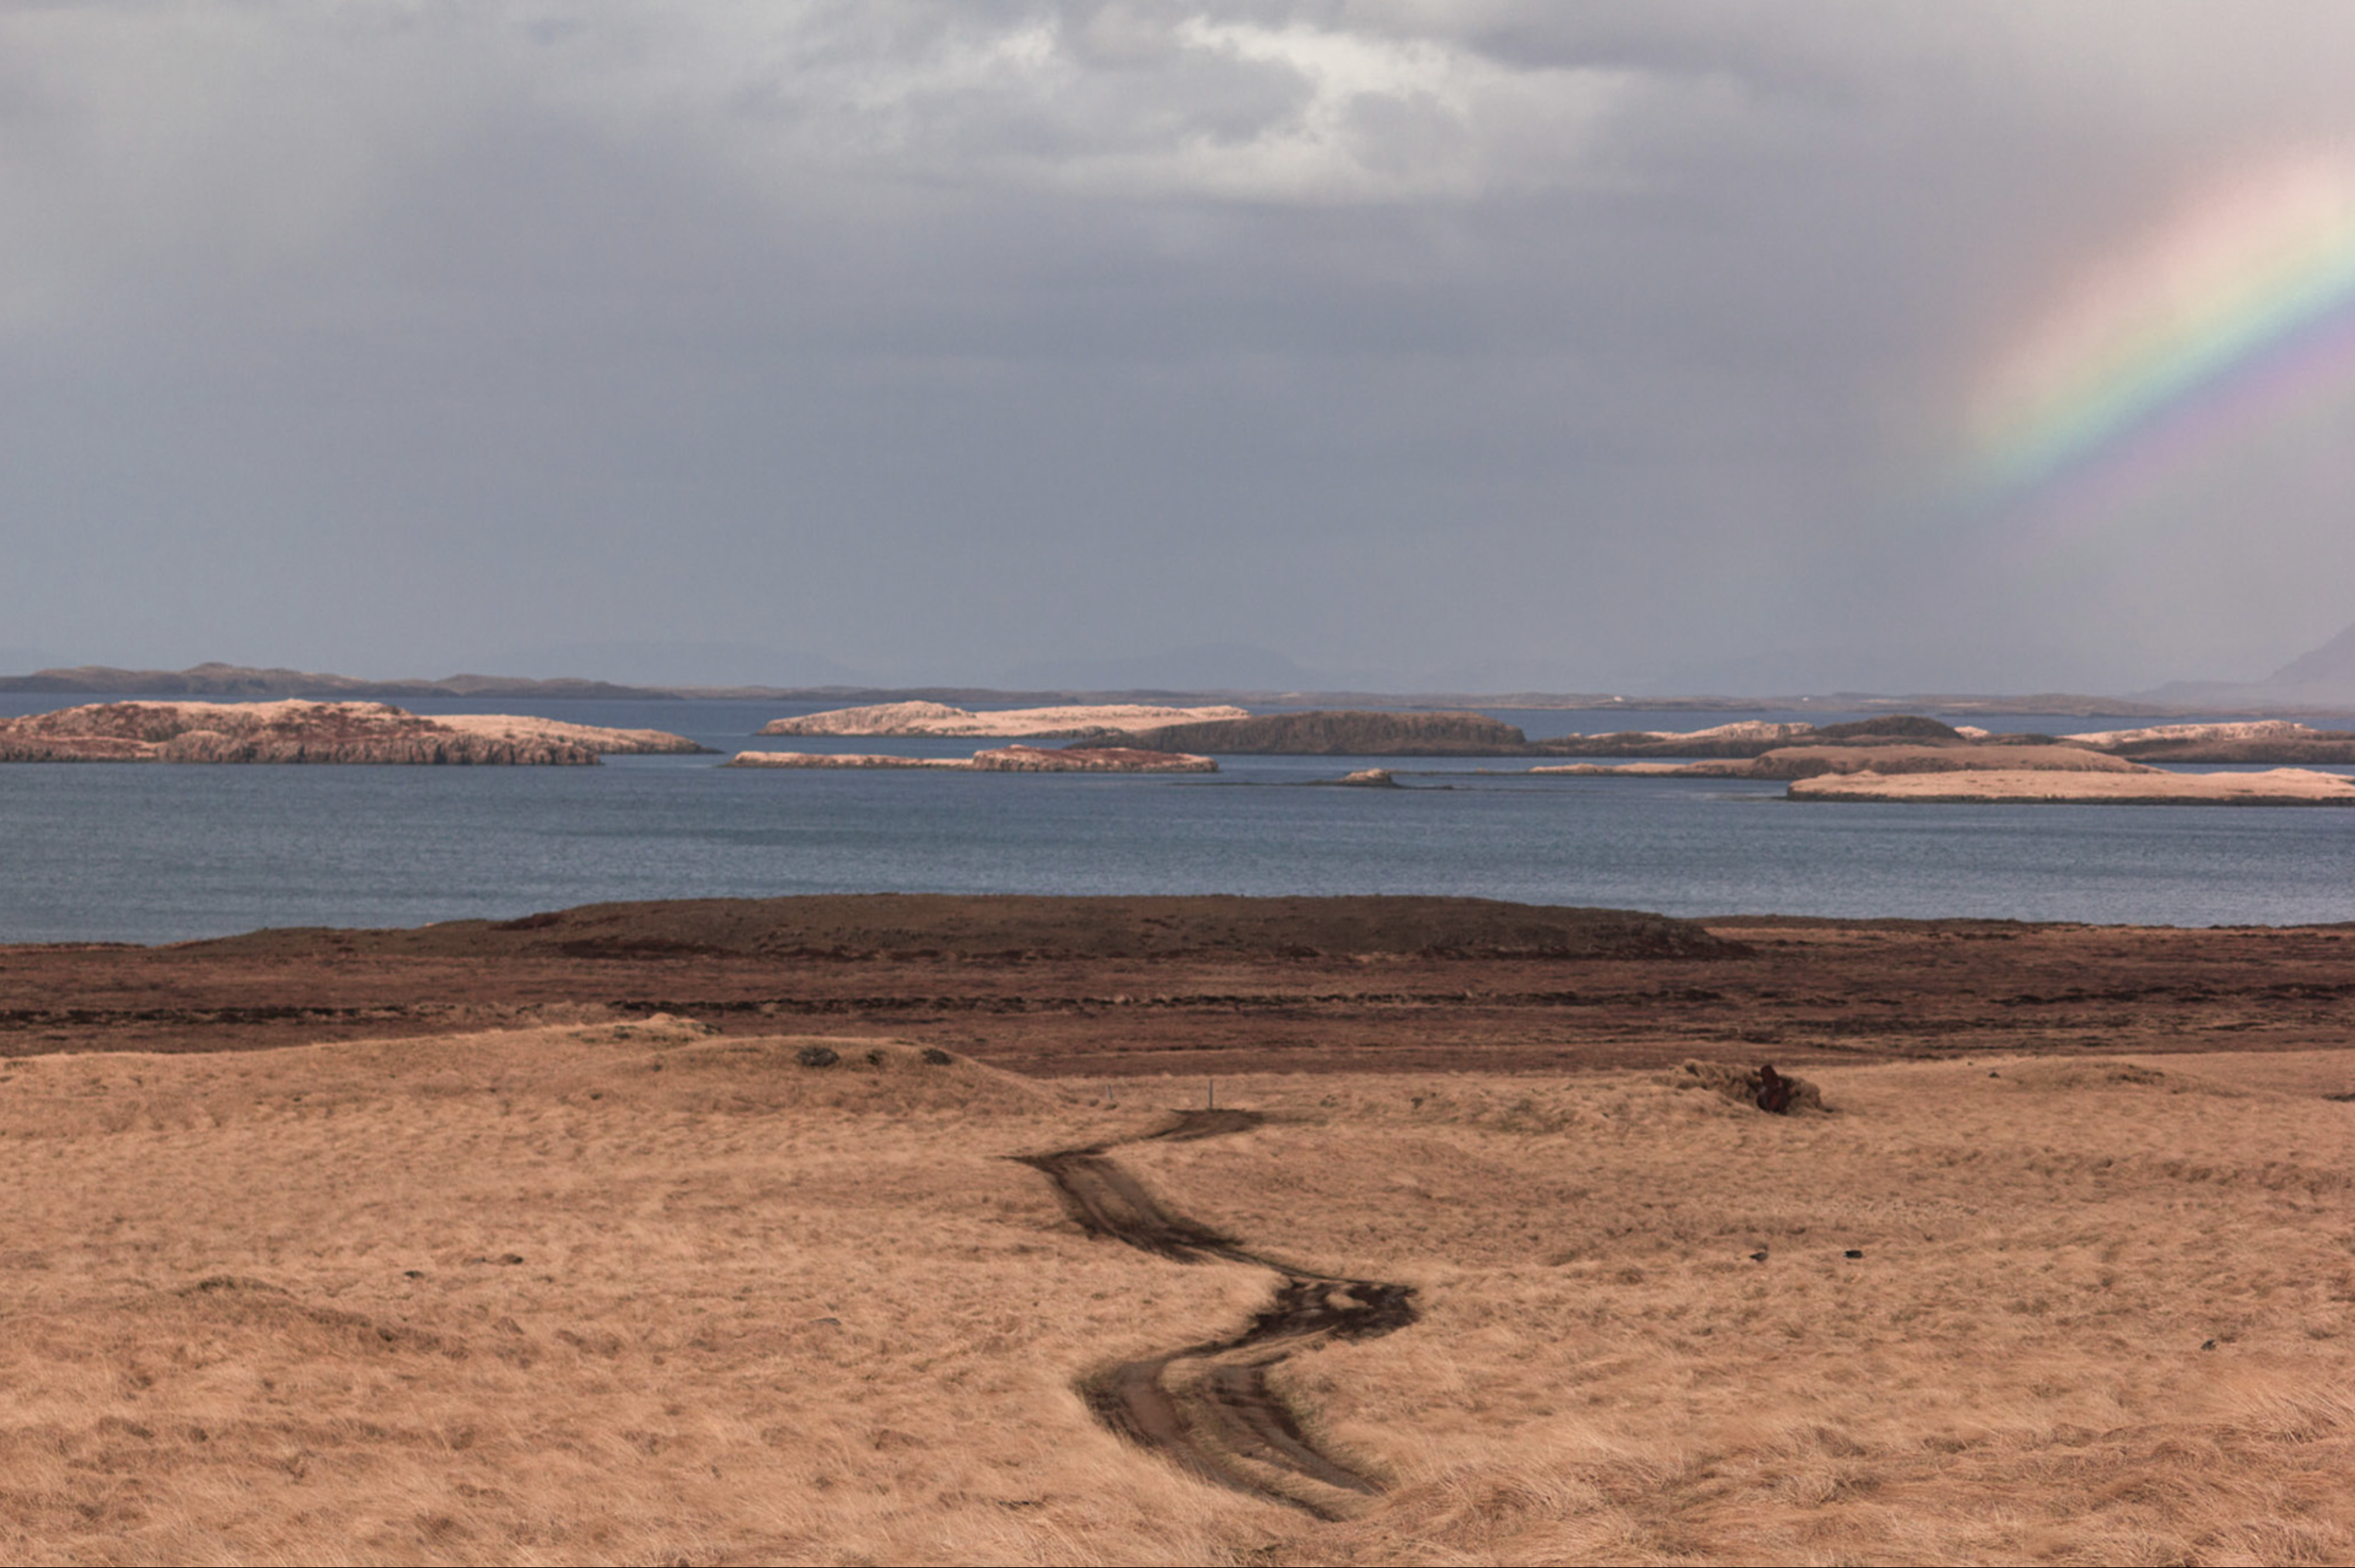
{"x": 302, "y": 731}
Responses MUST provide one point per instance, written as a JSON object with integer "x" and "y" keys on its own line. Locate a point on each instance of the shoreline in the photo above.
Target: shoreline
{"x": 1054, "y": 987}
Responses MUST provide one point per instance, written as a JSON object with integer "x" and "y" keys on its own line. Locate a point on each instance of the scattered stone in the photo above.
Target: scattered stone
{"x": 935, "y": 1057}
{"x": 1853, "y": 1253}
{"x": 1749, "y": 1087}
{"x": 817, "y": 1056}
{"x": 1759, "y": 1256}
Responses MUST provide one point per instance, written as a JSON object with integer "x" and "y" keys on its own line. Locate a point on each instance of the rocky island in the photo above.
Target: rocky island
{"x": 1748, "y": 738}
{"x": 2253, "y": 741}
{"x": 1003, "y": 759}
{"x": 1038, "y": 723}
{"x": 1811, "y": 762}
{"x": 1992, "y": 769}
{"x": 1800, "y": 750}
{"x": 1341, "y": 732}
{"x": 296, "y": 730}
{"x": 2277, "y": 741}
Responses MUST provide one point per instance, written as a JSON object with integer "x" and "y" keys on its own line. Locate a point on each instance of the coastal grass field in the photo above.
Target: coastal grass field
{"x": 633, "y": 1292}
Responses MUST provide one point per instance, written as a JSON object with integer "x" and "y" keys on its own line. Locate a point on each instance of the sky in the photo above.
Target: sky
{"x": 1490, "y": 346}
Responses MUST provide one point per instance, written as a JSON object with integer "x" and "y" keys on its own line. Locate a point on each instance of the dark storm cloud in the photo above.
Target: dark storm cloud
{"x": 1583, "y": 347}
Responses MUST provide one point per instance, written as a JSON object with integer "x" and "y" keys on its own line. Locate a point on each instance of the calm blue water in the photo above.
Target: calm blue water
{"x": 153, "y": 854}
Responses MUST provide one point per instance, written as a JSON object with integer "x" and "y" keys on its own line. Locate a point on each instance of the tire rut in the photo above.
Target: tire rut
{"x": 1210, "y": 1406}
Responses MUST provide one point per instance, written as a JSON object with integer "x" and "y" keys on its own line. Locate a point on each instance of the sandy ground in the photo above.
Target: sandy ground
{"x": 629, "y": 1291}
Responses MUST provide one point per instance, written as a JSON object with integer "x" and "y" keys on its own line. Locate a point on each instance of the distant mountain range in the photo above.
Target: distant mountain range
{"x": 2322, "y": 681}
{"x": 239, "y": 680}
{"x": 2317, "y": 681}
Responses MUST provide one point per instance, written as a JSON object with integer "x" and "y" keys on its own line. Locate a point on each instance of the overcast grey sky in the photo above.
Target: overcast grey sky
{"x": 1489, "y": 344}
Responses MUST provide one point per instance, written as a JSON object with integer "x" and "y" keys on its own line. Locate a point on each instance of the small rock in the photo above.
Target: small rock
{"x": 511, "y": 1259}
{"x": 1853, "y": 1253}
{"x": 935, "y": 1057}
{"x": 1758, "y": 1257}
{"x": 817, "y": 1056}
{"x": 2208, "y": 1344}
{"x": 412, "y": 1273}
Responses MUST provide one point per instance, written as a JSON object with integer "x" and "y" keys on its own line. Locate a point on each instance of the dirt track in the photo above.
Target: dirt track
{"x": 1147, "y": 986}
{"x": 1229, "y": 1424}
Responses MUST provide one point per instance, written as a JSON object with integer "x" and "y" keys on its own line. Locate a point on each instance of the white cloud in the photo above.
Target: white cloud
{"x": 145, "y": 148}
{"x": 1113, "y": 101}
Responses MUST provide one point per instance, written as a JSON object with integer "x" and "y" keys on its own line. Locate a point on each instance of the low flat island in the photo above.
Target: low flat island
{"x": 1002, "y": 760}
{"x": 2153, "y": 786}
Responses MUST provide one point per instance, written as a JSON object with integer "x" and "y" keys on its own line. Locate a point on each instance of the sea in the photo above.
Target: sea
{"x": 94, "y": 852}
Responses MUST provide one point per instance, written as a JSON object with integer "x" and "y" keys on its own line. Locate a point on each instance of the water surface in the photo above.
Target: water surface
{"x": 162, "y": 853}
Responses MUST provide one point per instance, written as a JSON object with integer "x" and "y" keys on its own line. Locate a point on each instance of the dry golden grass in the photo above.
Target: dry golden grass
{"x": 257, "y": 1308}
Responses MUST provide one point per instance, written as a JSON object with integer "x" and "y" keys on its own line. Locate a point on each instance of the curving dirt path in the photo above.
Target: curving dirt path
{"x": 1211, "y": 1405}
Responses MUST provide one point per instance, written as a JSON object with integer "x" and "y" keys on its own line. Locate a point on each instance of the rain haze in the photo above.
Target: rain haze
{"x": 1444, "y": 347}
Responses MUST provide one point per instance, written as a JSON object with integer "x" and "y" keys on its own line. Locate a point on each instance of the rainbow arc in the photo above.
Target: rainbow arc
{"x": 2237, "y": 321}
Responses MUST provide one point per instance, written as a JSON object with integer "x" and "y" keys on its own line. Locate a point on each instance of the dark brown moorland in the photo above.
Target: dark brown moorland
{"x": 1053, "y": 987}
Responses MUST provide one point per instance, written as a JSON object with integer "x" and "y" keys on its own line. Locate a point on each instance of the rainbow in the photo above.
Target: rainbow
{"x": 2234, "y": 322}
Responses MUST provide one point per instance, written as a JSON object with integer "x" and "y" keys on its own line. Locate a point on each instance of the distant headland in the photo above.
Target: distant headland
{"x": 219, "y": 681}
